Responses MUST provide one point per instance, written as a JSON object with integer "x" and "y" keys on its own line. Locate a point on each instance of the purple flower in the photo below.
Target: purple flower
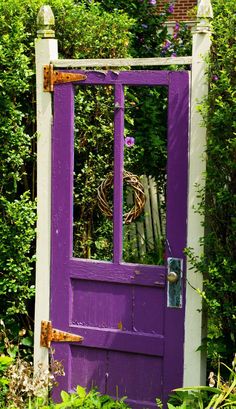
{"x": 167, "y": 45}
{"x": 175, "y": 35}
{"x": 153, "y": 2}
{"x": 176, "y": 27}
{"x": 173, "y": 55}
{"x": 129, "y": 141}
{"x": 215, "y": 77}
{"x": 171, "y": 9}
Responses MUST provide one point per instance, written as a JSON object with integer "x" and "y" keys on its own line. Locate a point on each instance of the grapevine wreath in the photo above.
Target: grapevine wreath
{"x": 139, "y": 196}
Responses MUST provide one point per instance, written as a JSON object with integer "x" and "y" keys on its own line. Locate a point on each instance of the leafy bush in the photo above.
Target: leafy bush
{"x": 218, "y": 203}
{"x": 221, "y": 395}
{"x": 90, "y": 400}
{"x": 5, "y": 361}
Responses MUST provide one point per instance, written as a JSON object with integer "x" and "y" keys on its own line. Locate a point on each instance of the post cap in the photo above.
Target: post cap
{"x": 45, "y": 22}
{"x": 204, "y": 9}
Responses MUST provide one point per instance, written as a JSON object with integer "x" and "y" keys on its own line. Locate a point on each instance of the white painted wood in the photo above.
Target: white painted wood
{"x": 204, "y": 9}
{"x": 155, "y": 209}
{"x": 148, "y": 214}
{"x": 141, "y": 238}
{"x": 45, "y": 22}
{"x": 45, "y": 50}
{"x": 194, "y": 362}
{"x": 130, "y": 229}
{"x": 121, "y": 62}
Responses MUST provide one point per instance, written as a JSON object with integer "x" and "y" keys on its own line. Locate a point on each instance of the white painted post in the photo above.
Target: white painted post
{"x": 45, "y": 52}
{"x": 195, "y": 362}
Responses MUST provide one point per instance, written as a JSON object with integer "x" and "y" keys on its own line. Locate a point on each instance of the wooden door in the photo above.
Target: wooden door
{"x": 133, "y": 337}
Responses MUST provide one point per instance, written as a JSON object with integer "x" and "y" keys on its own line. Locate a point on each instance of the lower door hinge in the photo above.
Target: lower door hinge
{"x": 52, "y": 77}
{"x": 49, "y": 334}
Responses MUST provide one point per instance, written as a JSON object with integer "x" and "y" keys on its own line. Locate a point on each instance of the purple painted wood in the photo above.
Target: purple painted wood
{"x": 62, "y": 217}
{"x": 177, "y": 174}
{"x": 123, "y": 273}
{"x": 118, "y": 340}
{"x": 118, "y": 173}
{"x": 132, "y": 343}
{"x": 124, "y": 77}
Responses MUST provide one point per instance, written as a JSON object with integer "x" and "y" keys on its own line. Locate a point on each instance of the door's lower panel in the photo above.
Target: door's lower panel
{"x": 139, "y": 377}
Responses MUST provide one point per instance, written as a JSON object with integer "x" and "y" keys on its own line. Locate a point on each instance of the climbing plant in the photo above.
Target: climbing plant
{"x": 218, "y": 203}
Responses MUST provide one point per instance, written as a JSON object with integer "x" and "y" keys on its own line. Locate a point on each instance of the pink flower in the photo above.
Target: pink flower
{"x": 153, "y": 2}
{"x": 129, "y": 141}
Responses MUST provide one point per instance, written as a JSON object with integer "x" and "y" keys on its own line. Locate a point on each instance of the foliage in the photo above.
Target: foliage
{"x": 17, "y": 234}
{"x": 149, "y": 30}
{"x": 5, "y": 361}
{"x": 179, "y": 43}
{"x": 26, "y": 391}
{"x": 24, "y": 385}
{"x": 17, "y": 128}
{"x": 218, "y": 203}
{"x": 90, "y": 400}
{"x": 206, "y": 397}
{"x": 15, "y": 342}
{"x": 16, "y": 207}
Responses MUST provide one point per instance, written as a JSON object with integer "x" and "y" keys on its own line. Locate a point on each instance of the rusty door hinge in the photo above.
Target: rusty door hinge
{"x": 51, "y": 77}
{"x": 49, "y": 334}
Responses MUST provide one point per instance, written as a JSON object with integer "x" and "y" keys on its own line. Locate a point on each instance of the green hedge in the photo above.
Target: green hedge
{"x": 218, "y": 203}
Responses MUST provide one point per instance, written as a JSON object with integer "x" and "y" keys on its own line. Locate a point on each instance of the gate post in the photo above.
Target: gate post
{"x": 195, "y": 362}
{"x": 45, "y": 51}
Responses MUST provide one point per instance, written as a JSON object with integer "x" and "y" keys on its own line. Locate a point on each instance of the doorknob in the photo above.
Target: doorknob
{"x": 50, "y": 334}
{"x": 172, "y": 277}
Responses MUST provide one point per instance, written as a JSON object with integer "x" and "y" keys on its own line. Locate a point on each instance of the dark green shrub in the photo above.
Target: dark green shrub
{"x": 218, "y": 203}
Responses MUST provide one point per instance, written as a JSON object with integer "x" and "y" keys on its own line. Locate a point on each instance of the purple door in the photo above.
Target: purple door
{"x": 133, "y": 335}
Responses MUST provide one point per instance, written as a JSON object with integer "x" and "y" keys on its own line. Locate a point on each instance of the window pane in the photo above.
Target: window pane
{"x": 145, "y": 142}
{"x": 93, "y": 161}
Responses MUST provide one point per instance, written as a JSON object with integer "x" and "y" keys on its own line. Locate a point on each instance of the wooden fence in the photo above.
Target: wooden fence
{"x": 144, "y": 239}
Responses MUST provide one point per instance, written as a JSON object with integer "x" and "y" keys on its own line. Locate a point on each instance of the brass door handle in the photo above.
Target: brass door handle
{"x": 172, "y": 277}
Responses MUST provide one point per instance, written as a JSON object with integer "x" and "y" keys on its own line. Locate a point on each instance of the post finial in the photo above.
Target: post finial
{"x": 204, "y": 9}
{"x": 45, "y": 22}
{"x": 204, "y": 14}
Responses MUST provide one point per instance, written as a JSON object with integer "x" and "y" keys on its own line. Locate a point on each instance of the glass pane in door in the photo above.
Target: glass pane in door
{"x": 93, "y": 163}
{"x": 145, "y": 175}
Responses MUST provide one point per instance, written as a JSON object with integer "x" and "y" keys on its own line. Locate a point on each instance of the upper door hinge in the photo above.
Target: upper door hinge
{"x": 52, "y": 77}
{"x": 49, "y": 334}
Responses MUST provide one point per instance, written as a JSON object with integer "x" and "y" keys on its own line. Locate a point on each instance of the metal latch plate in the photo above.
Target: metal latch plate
{"x": 174, "y": 286}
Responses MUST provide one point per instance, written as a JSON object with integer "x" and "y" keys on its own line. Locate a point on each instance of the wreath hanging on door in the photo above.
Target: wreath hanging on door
{"x": 139, "y": 196}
